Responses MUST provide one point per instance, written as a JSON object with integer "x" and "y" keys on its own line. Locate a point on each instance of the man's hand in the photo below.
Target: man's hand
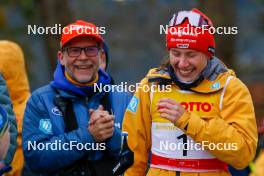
{"x": 170, "y": 109}
{"x": 97, "y": 114}
{"x": 101, "y": 124}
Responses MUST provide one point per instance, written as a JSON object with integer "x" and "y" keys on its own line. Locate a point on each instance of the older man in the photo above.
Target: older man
{"x": 76, "y": 129}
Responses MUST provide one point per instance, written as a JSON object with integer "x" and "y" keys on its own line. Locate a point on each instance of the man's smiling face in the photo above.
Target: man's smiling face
{"x": 82, "y": 68}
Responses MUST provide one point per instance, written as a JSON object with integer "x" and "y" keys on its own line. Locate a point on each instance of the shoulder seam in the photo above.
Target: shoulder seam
{"x": 223, "y": 91}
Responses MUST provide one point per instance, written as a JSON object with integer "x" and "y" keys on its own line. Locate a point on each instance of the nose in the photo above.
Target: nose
{"x": 183, "y": 62}
{"x": 82, "y": 55}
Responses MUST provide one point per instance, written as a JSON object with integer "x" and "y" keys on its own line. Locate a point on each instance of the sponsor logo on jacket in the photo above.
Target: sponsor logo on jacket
{"x": 197, "y": 106}
{"x": 55, "y": 110}
{"x": 133, "y": 105}
{"x": 45, "y": 126}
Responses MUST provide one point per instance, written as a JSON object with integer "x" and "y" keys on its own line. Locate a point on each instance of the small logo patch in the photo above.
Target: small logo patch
{"x": 45, "y": 126}
{"x": 133, "y": 105}
{"x": 55, "y": 110}
{"x": 215, "y": 85}
{"x": 118, "y": 125}
{"x": 182, "y": 45}
{"x": 211, "y": 50}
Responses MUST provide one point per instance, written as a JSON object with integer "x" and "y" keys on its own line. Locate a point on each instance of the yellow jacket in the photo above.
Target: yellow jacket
{"x": 232, "y": 121}
{"x": 12, "y": 67}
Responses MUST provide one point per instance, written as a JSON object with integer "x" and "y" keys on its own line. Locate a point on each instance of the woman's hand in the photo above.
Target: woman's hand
{"x": 170, "y": 109}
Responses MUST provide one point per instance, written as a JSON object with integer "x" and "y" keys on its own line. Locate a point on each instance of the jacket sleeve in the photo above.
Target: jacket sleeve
{"x": 234, "y": 125}
{"x": 7, "y": 105}
{"x": 137, "y": 122}
{"x": 49, "y": 159}
{"x": 114, "y": 143}
{"x": 16, "y": 78}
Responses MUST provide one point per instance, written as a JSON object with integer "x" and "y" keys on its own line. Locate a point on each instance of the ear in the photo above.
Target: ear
{"x": 61, "y": 57}
{"x": 102, "y": 60}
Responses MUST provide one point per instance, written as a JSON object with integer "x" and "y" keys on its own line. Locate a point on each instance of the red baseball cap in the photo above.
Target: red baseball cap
{"x": 77, "y": 29}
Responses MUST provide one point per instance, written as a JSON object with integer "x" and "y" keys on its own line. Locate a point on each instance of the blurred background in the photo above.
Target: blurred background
{"x": 133, "y": 36}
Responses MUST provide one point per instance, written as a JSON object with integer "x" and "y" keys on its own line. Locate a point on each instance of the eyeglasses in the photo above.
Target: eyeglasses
{"x": 89, "y": 51}
{"x": 194, "y": 18}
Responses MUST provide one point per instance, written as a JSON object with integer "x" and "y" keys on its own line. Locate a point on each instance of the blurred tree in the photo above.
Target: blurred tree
{"x": 222, "y": 13}
{"x": 2, "y": 17}
{"x": 54, "y": 12}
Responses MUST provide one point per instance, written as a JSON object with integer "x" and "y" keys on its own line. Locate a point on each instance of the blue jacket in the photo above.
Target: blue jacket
{"x": 6, "y": 103}
{"x": 43, "y": 124}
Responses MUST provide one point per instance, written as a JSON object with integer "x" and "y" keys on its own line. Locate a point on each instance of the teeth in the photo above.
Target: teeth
{"x": 185, "y": 71}
{"x": 83, "y": 67}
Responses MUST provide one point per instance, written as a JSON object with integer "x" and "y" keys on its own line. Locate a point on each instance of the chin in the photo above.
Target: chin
{"x": 186, "y": 79}
{"x": 83, "y": 79}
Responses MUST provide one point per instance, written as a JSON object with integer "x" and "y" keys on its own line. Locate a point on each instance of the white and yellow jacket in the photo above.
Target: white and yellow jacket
{"x": 217, "y": 112}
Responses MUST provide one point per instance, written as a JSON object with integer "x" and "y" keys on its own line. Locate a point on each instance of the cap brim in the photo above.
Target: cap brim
{"x": 100, "y": 40}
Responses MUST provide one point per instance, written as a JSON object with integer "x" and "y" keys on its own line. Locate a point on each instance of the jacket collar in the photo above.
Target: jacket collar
{"x": 215, "y": 76}
{"x": 60, "y": 82}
